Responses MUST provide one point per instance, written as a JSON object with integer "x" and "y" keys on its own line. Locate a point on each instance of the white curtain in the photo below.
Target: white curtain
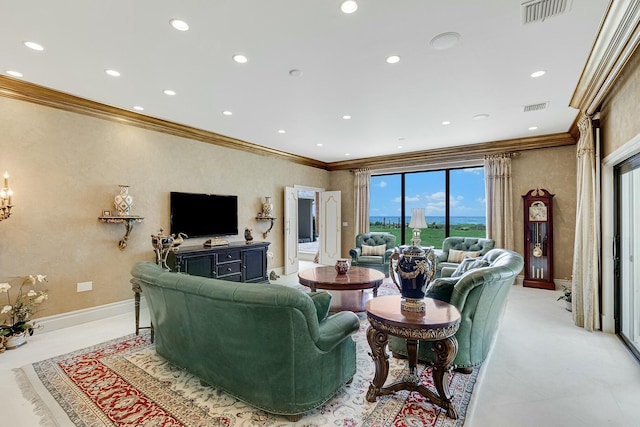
{"x": 586, "y": 266}
{"x": 497, "y": 169}
{"x": 361, "y": 202}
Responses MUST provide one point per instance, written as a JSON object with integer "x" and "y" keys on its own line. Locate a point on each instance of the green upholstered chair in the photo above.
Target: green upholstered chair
{"x": 480, "y": 295}
{"x": 373, "y": 250}
{"x": 272, "y": 346}
{"x": 448, "y": 258}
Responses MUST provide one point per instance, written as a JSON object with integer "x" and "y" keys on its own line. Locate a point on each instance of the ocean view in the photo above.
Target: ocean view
{"x": 430, "y": 219}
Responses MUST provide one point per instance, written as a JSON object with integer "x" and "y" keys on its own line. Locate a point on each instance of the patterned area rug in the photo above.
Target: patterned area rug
{"x": 125, "y": 383}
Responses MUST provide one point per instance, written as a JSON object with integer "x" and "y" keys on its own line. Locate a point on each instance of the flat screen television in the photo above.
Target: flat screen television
{"x": 200, "y": 215}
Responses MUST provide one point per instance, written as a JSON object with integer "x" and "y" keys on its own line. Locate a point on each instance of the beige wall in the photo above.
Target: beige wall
{"x": 619, "y": 118}
{"x": 65, "y": 169}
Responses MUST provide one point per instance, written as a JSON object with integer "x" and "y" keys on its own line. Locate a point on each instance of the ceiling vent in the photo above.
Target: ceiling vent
{"x": 539, "y": 10}
{"x": 535, "y": 107}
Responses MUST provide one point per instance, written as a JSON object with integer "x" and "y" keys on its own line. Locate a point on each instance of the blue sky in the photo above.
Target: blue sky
{"x": 427, "y": 190}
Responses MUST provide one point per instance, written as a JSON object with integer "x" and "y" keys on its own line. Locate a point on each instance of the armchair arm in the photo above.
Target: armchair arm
{"x": 355, "y": 253}
{"x": 335, "y": 328}
{"x": 388, "y": 253}
{"x": 447, "y": 271}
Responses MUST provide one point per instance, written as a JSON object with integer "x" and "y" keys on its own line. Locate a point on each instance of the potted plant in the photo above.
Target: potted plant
{"x": 566, "y": 296}
{"x": 15, "y": 316}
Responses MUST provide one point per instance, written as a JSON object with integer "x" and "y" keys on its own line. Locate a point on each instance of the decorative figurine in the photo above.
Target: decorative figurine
{"x": 247, "y": 235}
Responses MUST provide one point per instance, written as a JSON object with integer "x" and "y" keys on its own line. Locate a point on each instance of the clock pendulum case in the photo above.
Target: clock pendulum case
{"x": 538, "y": 239}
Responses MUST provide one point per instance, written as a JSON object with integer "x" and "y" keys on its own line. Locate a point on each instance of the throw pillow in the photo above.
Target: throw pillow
{"x": 322, "y": 301}
{"x": 458, "y": 256}
{"x": 441, "y": 288}
{"x": 374, "y": 250}
{"x": 469, "y": 264}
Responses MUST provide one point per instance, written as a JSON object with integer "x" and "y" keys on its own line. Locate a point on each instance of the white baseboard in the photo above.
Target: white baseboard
{"x": 78, "y": 317}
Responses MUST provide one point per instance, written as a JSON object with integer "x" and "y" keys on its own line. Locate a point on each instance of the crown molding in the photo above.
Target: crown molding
{"x": 617, "y": 39}
{"x": 455, "y": 154}
{"x": 24, "y": 91}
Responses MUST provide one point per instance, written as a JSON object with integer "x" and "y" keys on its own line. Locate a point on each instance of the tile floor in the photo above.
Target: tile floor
{"x": 543, "y": 371}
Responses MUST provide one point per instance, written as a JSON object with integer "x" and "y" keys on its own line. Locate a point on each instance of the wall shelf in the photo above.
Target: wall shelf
{"x": 267, "y": 218}
{"x": 127, "y": 220}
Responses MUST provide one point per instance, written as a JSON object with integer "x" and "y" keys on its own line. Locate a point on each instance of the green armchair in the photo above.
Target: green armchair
{"x": 480, "y": 295}
{"x": 455, "y": 248}
{"x": 272, "y": 346}
{"x": 373, "y": 250}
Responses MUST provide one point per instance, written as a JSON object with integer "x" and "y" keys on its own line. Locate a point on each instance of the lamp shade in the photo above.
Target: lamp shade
{"x": 417, "y": 218}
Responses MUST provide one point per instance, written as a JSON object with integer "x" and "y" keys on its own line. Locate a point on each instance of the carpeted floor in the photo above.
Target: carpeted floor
{"x": 125, "y": 383}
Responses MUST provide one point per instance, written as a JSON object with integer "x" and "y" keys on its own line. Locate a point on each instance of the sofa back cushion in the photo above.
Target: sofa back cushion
{"x": 376, "y": 239}
{"x": 458, "y": 256}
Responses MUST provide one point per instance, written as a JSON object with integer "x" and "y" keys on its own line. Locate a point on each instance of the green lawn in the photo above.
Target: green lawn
{"x": 433, "y": 236}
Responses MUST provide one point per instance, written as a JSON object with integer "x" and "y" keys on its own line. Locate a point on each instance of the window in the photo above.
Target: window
{"x": 453, "y": 199}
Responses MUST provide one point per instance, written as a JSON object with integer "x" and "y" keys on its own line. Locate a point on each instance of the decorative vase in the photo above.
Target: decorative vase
{"x": 123, "y": 201}
{"x": 267, "y": 207}
{"x": 342, "y": 266}
{"x": 248, "y": 237}
{"x": 415, "y": 269}
{"x": 16, "y": 340}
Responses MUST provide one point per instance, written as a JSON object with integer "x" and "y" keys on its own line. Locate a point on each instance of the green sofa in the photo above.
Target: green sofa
{"x": 461, "y": 244}
{"x": 480, "y": 295}
{"x": 384, "y": 242}
{"x": 272, "y": 346}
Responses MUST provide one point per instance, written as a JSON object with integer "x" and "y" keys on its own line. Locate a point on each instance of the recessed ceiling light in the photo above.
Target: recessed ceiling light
{"x": 112, "y": 73}
{"x": 533, "y": 128}
{"x": 14, "y": 73}
{"x": 319, "y": 144}
{"x": 169, "y": 92}
{"x": 538, "y": 73}
{"x": 138, "y": 108}
{"x": 295, "y": 73}
{"x": 346, "y": 117}
{"x": 349, "y": 6}
{"x": 227, "y": 113}
{"x": 393, "y": 59}
{"x": 480, "y": 116}
{"x": 347, "y": 154}
{"x": 33, "y": 45}
{"x": 179, "y": 24}
{"x": 446, "y": 122}
{"x": 399, "y": 146}
{"x": 445, "y": 40}
{"x": 240, "y": 59}
{"x": 282, "y": 131}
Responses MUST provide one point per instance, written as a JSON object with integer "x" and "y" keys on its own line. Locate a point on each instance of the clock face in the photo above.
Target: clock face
{"x": 538, "y": 211}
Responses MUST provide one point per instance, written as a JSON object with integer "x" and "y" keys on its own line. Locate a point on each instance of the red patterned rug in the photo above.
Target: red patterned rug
{"x": 125, "y": 383}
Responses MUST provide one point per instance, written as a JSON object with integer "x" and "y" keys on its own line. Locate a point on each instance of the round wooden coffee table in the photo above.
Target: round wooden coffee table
{"x": 356, "y": 279}
{"x": 438, "y": 325}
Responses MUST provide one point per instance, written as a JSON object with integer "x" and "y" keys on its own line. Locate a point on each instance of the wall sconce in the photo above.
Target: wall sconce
{"x": 5, "y": 199}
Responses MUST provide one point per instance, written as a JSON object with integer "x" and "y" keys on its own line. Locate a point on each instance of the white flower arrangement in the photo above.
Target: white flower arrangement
{"x": 17, "y": 313}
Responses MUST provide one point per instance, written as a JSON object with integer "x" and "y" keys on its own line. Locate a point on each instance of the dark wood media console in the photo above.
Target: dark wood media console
{"x": 236, "y": 261}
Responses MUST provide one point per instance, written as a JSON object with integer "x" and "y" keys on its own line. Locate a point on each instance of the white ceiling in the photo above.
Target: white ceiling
{"x": 342, "y": 59}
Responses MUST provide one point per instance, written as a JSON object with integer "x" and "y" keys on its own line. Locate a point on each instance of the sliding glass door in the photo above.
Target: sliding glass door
{"x": 627, "y": 248}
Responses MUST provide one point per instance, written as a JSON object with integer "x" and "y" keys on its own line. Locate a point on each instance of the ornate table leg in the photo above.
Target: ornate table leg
{"x": 445, "y": 351}
{"x": 378, "y": 342}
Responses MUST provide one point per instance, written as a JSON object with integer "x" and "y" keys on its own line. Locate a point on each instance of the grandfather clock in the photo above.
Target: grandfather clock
{"x": 538, "y": 239}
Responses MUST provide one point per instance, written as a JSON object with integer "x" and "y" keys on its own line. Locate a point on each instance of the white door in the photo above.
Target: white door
{"x": 290, "y": 230}
{"x": 330, "y": 227}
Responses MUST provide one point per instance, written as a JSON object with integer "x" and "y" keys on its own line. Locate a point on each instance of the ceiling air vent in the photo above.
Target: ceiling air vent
{"x": 535, "y": 107}
{"x": 539, "y": 10}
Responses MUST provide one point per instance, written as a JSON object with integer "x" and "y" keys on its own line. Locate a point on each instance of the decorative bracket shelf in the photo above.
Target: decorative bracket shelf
{"x": 265, "y": 218}
{"x": 128, "y": 221}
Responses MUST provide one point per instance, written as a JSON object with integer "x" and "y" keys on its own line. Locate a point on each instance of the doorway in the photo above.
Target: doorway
{"x": 308, "y": 243}
{"x": 627, "y": 245}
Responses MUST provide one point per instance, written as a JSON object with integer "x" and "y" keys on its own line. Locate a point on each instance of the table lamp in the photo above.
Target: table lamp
{"x": 417, "y": 223}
